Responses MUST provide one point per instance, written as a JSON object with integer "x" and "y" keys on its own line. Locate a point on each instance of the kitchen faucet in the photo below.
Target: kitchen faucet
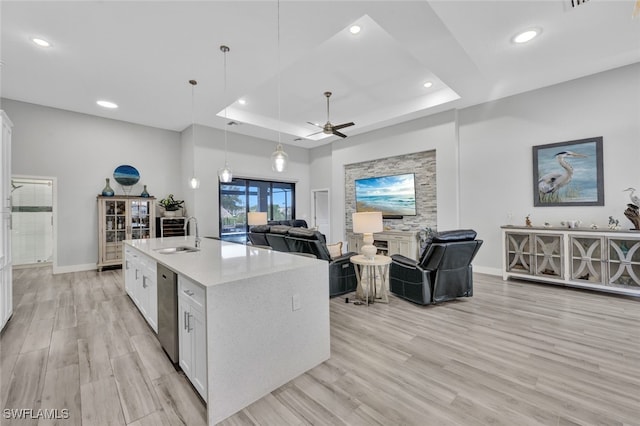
{"x": 186, "y": 223}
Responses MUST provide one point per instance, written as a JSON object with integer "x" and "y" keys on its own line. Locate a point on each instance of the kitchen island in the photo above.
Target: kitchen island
{"x": 264, "y": 315}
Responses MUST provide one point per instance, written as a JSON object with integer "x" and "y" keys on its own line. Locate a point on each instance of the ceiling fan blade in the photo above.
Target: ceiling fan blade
{"x": 314, "y": 124}
{"x": 321, "y": 131}
{"x": 337, "y": 133}
{"x": 342, "y": 126}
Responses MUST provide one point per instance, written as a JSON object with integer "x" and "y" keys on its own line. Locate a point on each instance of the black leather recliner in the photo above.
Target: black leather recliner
{"x": 444, "y": 271}
{"x": 342, "y": 274}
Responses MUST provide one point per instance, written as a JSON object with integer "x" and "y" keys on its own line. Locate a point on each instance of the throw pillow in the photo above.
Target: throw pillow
{"x": 335, "y": 250}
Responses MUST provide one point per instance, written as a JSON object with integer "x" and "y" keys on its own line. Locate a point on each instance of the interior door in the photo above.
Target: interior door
{"x": 321, "y": 211}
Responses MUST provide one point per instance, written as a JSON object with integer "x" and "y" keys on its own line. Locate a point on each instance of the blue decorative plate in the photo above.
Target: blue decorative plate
{"x": 126, "y": 175}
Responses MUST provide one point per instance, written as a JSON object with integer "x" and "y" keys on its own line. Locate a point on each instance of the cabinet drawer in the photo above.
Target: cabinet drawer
{"x": 191, "y": 291}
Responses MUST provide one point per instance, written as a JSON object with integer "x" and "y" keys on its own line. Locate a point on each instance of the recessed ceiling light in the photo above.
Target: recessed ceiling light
{"x": 41, "y": 42}
{"x": 355, "y": 29}
{"x": 527, "y": 35}
{"x": 107, "y": 104}
{"x": 242, "y": 101}
{"x": 428, "y": 84}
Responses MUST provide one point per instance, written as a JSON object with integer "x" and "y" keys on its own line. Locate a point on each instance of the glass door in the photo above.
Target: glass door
{"x": 140, "y": 220}
{"x": 114, "y": 228}
{"x": 233, "y": 207}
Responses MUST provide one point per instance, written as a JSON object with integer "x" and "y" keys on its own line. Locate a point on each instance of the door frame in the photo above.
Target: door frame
{"x": 54, "y": 212}
{"x": 313, "y": 209}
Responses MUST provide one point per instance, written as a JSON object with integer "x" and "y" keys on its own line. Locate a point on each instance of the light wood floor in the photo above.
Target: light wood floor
{"x": 514, "y": 354}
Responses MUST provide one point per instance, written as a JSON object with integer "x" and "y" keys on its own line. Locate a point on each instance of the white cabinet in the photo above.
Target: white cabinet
{"x": 140, "y": 283}
{"x": 122, "y": 218}
{"x": 389, "y": 243}
{"x": 604, "y": 260}
{"x": 6, "y": 289}
{"x": 192, "y": 333}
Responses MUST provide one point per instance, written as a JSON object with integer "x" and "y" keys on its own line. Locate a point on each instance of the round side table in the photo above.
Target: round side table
{"x": 366, "y": 268}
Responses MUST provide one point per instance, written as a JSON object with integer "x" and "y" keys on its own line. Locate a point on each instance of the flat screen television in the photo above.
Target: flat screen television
{"x": 394, "y": 196}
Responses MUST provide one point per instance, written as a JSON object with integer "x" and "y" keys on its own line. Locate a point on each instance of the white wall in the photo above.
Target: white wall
{"x": 496, "y": 154}
{"x": 81, "y": 151}
{"x": 248, "y": 157}
{"x": 484, "y": 155}
{"x": 429, "y": 133}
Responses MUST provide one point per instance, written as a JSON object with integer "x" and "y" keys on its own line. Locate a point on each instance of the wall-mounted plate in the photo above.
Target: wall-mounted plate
{"x": 126, "y": 175}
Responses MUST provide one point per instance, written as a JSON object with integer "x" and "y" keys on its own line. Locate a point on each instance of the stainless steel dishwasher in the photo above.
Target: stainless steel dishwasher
{"x": 168, "y": 312}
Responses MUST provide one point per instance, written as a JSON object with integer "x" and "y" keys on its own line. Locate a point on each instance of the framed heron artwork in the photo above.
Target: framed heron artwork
{"x": 568, "y": 173}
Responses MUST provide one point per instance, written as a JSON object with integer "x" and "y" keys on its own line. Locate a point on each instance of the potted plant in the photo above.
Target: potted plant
{"x": 171, "y": 205}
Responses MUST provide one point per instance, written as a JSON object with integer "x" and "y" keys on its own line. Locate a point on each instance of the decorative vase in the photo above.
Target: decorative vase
{"x": 107, "y": 191}
{"x": 170, "y": 213}
{"x": 144, "y": 192}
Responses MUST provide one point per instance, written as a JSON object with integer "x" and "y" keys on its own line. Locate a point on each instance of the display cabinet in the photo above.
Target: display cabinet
{"x": 606, "y": 260}
{"x": 122, "y": 218}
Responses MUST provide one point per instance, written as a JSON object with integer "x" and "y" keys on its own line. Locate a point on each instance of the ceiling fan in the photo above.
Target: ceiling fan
{"x": 329, "y": 128}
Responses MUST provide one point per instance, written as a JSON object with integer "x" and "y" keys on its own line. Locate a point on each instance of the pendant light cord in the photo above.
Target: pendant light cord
{"x": 279, "y": 95}
{"x": 193, "y": 123}
{"x": 225, "y": 49}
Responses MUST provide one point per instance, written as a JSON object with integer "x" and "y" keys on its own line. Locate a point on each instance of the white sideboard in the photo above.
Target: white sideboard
{"x": 605, "y": 260}
{"x": 389, "y": 243}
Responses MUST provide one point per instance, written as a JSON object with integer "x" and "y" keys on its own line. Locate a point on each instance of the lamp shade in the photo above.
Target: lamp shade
{"x": 367, "y": 222}
{"x": 257, "y": 218}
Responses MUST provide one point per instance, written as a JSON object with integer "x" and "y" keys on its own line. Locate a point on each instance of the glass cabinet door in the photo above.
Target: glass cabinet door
{"x": 624, "y": 262}
{"x": 548, "y": 255}
{"x": 518, "y": 252}
{"x": 587, "y": 261}
{"x": 114, "y": 228}
{"x": 140, "y": 220}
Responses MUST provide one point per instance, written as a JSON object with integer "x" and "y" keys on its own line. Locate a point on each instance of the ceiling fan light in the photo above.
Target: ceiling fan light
{"x": 355, "y": 29}
{"x": 279, "y": 159}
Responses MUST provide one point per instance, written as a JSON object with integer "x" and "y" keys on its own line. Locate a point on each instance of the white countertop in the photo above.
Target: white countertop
{"x": 218, "y": 261}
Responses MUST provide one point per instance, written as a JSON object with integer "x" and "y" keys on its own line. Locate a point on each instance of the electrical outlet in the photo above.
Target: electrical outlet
{"x": 295, "y": 302}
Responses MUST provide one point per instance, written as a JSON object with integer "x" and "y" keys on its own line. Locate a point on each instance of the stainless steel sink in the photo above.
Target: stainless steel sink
{"x": 174, "y": 250}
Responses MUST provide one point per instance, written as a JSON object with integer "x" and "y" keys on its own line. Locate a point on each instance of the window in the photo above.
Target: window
{"x": 241, "y": 196}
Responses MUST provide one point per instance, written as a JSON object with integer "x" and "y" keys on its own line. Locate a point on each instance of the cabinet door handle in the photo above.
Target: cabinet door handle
{"x": 126, "y": 263}
{"x": 144, "y": 282}
{"x": 186, "y": 320}
{"x": 188, "y": 292}
{"x": 137, "y": 273}
{"x": 189, "y": 329}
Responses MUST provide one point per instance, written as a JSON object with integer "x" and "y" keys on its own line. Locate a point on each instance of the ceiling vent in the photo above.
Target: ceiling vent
{"x": 571, "y": 4}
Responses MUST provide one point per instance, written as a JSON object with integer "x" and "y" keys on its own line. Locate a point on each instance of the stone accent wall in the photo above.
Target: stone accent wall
{"x": 423, "y": 164}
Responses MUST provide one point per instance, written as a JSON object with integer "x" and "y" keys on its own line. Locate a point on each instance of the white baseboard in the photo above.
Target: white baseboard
{"x": 487, "y": 270}
{"x": 74, "y": 268}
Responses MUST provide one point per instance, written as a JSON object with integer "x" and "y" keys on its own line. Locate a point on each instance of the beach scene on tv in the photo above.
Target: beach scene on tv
{"x": 391, "y": 195}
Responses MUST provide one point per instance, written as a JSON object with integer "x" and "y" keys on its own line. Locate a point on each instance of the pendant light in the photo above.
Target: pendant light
{"x": 279, "y": 157}
{"x": 225, "y": 175}
{"x": 194, "y": 182}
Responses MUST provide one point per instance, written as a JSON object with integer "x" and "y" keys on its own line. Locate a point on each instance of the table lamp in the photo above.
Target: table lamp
{"x": 366, "y": 223}
{"x": 257, "y": 218}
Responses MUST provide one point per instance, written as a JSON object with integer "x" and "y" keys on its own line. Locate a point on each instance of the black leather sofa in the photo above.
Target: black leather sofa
{"x": 443, "y": 272}
{"x": 342, "y": 274}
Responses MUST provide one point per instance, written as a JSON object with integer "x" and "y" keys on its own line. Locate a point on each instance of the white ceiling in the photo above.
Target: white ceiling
{"x": 141, "y": 54}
